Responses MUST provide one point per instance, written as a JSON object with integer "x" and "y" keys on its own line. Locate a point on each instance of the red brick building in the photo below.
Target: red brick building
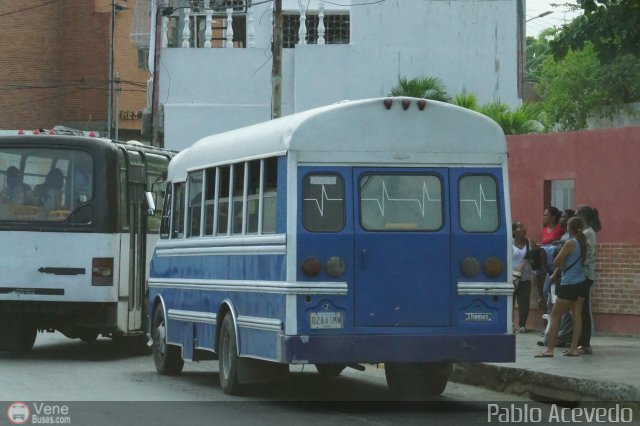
{"x": 598, "y": 168}
{"x": 54, "y": 64}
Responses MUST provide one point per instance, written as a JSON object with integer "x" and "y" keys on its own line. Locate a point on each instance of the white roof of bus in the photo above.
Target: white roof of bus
{"x": 360, "y": 132}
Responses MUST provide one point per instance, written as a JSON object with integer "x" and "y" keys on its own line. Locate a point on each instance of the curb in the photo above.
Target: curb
{"x": 543, "y": 386}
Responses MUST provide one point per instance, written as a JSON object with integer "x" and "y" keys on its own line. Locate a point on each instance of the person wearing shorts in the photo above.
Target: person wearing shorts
{"x": 571, "y": 289}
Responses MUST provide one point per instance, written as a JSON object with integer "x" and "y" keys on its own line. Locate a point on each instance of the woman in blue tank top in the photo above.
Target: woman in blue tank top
{"x": 570, "y": 291}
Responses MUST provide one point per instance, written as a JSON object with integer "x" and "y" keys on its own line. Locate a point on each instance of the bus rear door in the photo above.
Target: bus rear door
{"x": 135, "y": 269}
{"x": 402, "y": 247}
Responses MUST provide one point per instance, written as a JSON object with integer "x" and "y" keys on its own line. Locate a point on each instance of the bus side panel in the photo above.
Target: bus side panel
{"x": 222, "y": 277}
{"x": 478, "y": 313}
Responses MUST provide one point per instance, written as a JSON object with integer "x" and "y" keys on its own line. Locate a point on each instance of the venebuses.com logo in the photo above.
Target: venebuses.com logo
{"x": 18, "y": 413}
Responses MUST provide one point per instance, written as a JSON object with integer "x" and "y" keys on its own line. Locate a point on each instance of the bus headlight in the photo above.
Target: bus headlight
{"x": 311, "y": 266}
{"x": 470, "y": 267}
{"x": 102, "y": 271}
{"x": 335, "y": 267}
{"x": 493, "y": 267}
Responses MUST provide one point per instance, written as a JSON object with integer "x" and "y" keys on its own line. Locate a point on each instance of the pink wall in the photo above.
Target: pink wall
{"x": 605, "y": 165}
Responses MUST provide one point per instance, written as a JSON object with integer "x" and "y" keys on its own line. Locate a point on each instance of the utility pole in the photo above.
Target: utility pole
{"x": 155, "y": 97}
{"x": 276, "y": 70}
{"x": 110, "y": 94}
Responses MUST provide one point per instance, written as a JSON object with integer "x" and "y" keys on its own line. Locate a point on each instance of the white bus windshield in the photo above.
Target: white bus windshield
{"x": 43, "y": 184}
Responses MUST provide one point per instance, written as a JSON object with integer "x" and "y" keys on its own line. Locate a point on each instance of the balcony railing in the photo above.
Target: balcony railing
{"x": 206, "y": 25}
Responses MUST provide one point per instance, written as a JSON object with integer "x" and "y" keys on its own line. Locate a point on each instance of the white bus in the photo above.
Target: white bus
{"x": 73, "y": 236}
{"x": 373, "y": 231}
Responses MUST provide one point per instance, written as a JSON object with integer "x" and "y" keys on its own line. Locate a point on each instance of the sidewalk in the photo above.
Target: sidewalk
{"x": 612, "y": 373}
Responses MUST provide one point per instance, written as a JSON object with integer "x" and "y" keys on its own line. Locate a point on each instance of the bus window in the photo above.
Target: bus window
{"x": 44, "y": 184}
{"x": 177, "y": 226}
{"x": 223, "y": 200}
{"x": 166, "y": 214}
{"x": 478, "y": 203}
{"x": 238, "y": 198}
{"x": 269, "y": 195}
{"x": 323, "y": 203}
{"x": 195, "y": 203}
{"x": 210, "y": 200}
{"x": 401, "y": 202}
{"x": 253, "y": 195}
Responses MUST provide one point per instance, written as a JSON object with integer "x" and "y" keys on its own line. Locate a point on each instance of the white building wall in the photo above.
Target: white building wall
{"x": 470, "y": 44}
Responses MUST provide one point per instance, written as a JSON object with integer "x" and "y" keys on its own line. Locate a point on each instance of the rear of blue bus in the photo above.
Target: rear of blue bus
{"x": 423, "y": 256}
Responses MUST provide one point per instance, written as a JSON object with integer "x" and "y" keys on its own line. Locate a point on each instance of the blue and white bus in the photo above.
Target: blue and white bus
{"x": 373, "y": 231}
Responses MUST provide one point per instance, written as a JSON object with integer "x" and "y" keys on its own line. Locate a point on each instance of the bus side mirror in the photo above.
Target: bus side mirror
{"x": 151, "y": 204}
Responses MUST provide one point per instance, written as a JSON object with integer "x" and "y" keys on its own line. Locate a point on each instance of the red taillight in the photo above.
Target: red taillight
{"x": 36, "y": 132}
{"x": 422, "y": 104}
{"x": 51, "y": 132}
{"x": 388, "y": 103}
{"x": 406, "y": 103}
{"x": 102, "y": 271}
{"x": 311, "y": 266}
{"x": 21, "y": 132}
{"x": 92, "y": 134}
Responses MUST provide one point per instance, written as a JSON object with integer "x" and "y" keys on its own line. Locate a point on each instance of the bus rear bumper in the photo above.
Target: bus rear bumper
{"x": 348, "y": 349}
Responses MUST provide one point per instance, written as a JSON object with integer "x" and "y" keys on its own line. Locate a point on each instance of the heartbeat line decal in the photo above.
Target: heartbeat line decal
{"x": 384, "y": 197}
{"x": 323, "y": 197}
{"x": 481, "y": 198}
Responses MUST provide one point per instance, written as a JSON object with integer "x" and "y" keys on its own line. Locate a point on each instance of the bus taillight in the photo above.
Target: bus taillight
{"x": 102, "y": 271}
{"x": 493, "y": 267}
{"x": 470, "y": 267}
{"x": 335, "y": 266}
{"x": 311, "y": 266}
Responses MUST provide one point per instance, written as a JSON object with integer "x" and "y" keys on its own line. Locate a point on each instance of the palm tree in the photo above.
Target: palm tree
{"x": 425, "y": 87}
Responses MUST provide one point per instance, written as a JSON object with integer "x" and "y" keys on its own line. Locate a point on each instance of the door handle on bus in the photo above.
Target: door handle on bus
{"x": 363, "y": 257}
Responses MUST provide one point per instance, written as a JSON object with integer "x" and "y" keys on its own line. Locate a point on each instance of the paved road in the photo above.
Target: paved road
{"x": 102, "y": 385}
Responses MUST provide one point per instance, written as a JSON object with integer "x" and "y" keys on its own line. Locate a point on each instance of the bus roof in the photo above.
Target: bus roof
{"x": 359, "y": 132}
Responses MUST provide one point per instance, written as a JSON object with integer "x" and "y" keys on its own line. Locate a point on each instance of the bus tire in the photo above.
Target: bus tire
{"x": 27, "y": 338}
{"x": 330, "y": 370}
{"x": 228, "y": 358}
{"x": 17, "y": 335}
{"x": 167, "y": 358}
{"x": 409, "y": 379}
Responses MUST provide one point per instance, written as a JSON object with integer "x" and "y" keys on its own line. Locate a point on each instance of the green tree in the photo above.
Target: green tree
{"x": 612, "y": 27}
{"x": 579, "y": 87}
{"x": 425, "y": 87}
{"x": 527, "y": 118}
{"x": 538, "y": 50}
{"x": 524, "y": 119}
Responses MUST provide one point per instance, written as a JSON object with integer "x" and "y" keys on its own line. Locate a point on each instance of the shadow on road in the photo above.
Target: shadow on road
{"x": 48, "y": 349}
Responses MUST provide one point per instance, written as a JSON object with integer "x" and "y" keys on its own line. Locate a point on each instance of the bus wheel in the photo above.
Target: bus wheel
{"x": 17, "y": 335}
{"x": 89, "y": 336}
{"x": 167, "y": 358}
{"x": 228, "y": 358}
{"x": 27, "y": 338}
{"x": 417, "y": 379}
{"x": 330, "y": 370}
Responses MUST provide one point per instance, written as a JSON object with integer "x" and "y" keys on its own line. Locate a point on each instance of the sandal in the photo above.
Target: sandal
{"x": 585, "y": 350}
{"x": 567, "y": 353}
{"x": 543, "y": 355}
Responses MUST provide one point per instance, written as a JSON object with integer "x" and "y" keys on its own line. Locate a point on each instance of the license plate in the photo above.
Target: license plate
{"x": 325, "y": 319}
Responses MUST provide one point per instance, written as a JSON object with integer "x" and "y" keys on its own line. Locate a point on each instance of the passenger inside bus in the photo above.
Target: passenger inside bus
{"x": 15, "y": 191}
{"x": 49, "y": 193}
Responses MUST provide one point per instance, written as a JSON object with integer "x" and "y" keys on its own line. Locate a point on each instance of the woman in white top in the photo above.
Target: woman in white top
{"x": 521, "y": 273}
